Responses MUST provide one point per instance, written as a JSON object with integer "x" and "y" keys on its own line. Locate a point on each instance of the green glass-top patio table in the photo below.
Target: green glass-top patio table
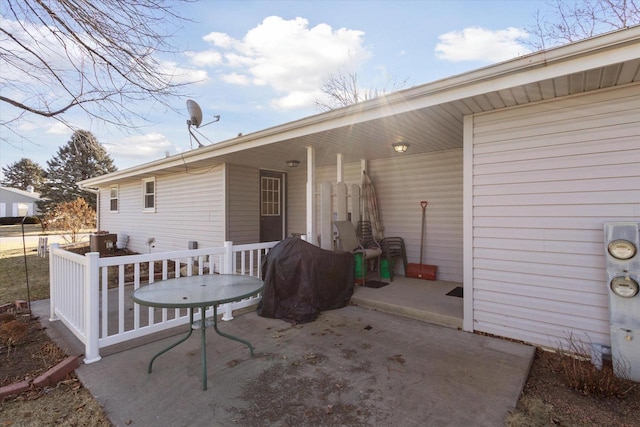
{"x": 199, "y": 292}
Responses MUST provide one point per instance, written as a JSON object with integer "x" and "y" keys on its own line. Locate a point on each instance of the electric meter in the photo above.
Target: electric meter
{"x": 622, "y": 249}
{"x": 624, "y": 287}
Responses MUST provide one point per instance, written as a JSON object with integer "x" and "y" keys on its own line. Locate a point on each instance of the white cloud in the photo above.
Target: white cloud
{"x": 219, "y": 39}
{"x": 297, "y": 99}
{"x": 480, "y": 44}
{"x": 59, "y": 128}
{"x": 183, "y": 75}
{"x": 207, "y": 58}
{"x": 235, "y": 78}
{"x": 289, "y": 56}
{"x": 149, "y": 146}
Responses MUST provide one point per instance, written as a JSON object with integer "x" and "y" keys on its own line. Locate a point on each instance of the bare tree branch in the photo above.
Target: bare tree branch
{"x": 100, "y": 56}
{"x": 570, "y": 22}
{"x": 342, "y": 88}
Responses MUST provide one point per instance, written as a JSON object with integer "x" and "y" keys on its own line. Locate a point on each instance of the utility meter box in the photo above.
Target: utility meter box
{"x": 622, "y": 246}
{"x": 102, "y": 242}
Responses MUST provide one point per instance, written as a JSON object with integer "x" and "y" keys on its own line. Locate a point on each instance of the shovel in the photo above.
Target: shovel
{"x": 422, "y": 271}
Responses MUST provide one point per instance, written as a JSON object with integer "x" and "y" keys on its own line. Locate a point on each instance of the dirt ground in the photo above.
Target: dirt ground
{"x": 548, "y": 401}
{"x": 66, "y": 404}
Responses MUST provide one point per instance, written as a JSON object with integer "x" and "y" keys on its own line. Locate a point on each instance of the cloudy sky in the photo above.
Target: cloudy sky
{"x": 261, "y": 64}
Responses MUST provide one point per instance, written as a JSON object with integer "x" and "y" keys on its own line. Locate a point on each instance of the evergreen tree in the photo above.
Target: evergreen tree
{"x": 81, "y": 158}
{"x": 23, "y": 173}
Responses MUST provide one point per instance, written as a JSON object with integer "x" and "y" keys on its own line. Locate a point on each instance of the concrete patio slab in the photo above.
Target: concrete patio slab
{"x": 353, "y": 366}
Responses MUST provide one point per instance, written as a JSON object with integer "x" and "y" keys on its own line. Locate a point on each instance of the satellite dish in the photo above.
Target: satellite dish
{"x": 195, "y": 113}
{"x": 195, "y": 119}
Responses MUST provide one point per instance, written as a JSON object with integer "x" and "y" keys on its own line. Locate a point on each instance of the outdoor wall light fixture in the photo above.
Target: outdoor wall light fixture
{"x": 293, "y": 163}
{"x": 400, "y": 147}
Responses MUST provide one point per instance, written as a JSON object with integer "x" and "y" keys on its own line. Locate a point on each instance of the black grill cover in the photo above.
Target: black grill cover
{"x": 301, "y": 280}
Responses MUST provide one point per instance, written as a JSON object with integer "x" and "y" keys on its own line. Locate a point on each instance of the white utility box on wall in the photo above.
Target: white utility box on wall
{"x": 622, "y": 246}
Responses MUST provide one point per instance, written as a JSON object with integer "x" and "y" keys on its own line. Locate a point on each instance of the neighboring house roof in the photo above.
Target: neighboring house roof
{"x": 429, "y": 117}
{"x": 27, "y": 194}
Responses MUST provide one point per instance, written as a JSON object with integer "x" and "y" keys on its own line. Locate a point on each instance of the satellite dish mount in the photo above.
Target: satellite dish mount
{"x": 195, "y": 120}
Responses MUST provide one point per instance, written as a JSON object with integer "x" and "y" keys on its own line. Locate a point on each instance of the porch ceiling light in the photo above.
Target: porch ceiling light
{"x": 293, "y": 163}
{"x": 400, "y": 147}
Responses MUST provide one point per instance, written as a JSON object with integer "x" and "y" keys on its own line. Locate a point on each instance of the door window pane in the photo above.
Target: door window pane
{"x": 270, "y": 204}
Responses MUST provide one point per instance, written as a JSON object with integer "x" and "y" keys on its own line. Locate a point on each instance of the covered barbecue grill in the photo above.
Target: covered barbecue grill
{"x": 301, "y": 280}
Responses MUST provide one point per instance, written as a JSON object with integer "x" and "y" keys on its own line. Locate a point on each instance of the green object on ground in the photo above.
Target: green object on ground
{"x": 358, "y": 272}
{"x": 384, "y": 269}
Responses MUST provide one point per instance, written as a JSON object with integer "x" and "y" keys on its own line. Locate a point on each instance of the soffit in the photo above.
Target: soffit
{"x": 428, "y": 129}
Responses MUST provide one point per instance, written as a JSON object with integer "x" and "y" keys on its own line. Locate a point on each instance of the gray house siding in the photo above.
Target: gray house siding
{"x": 243, "y": 199}
{"x": 401, "y": 183}
{"x": 14, "y": 202}
{"x": 188, "y": 206}
{"x": 545, "y": 179}
{"x": 296, "y": 201}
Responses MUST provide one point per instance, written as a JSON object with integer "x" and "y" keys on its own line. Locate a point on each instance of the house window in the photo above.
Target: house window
{"x": 22, "y": 209}
{"x": 270, "y": 205}
{"x": 113, "y": 199}
{"x": 149, "y": 194}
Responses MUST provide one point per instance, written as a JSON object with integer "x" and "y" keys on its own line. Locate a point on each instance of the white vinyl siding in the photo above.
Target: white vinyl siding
{"x": 189, "y": 207}
{"x": 296, "y": 201}
{"x": 401, "y": 182}
{"x": 545, "y": 179}
{"x": 243, "y": 201}
{"x": 16, "y": 202}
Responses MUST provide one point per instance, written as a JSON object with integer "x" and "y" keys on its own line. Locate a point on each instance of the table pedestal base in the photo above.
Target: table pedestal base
{"x": 202, "y": 325}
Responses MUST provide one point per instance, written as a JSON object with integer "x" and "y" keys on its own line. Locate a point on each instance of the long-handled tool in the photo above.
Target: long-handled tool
{"x": 422, "y": 271}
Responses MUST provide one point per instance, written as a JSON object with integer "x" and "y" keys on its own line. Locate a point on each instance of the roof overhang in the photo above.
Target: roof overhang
{"x": 429, "y": 117}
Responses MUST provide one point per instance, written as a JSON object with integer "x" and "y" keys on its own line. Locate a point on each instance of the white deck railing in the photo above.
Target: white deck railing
{"x": 92, "y": 295}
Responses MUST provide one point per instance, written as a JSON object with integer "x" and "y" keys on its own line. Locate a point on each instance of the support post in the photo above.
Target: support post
{"x": 341, "y": 201}
{"x": 227, "y": 265}
{"x": 326, "y": 216}
{"x": 339, "y": 168}
{"x": 467, "y": 223}
{"x": 227, "y": 261}
{"x": 52, "y": 282}
{"x": 355, "y": 204}
{"x": 311, "y": 195}
{"x": 92, "y": 307}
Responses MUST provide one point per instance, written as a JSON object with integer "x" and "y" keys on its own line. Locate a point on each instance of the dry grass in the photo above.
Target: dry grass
{"x": 13, "y": 277}
{"x": 549, "y": 400}
{"x": 65, "y": 404}
{"x": 582, "y": 376}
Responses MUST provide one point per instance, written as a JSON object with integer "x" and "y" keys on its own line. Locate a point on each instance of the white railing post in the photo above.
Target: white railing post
{"x": 92, "y": 307}
{"x": 52, "y": 281}
{"x": 227, "y": 260}
{"x": 227, "y": 263}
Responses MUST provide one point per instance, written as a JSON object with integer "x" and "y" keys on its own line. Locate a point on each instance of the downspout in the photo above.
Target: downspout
{"x": 97, "y": 193}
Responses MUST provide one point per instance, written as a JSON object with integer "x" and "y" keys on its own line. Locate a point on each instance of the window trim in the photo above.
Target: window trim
{"x": 111, "y": 198}
{"x": 145, "y": 194}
